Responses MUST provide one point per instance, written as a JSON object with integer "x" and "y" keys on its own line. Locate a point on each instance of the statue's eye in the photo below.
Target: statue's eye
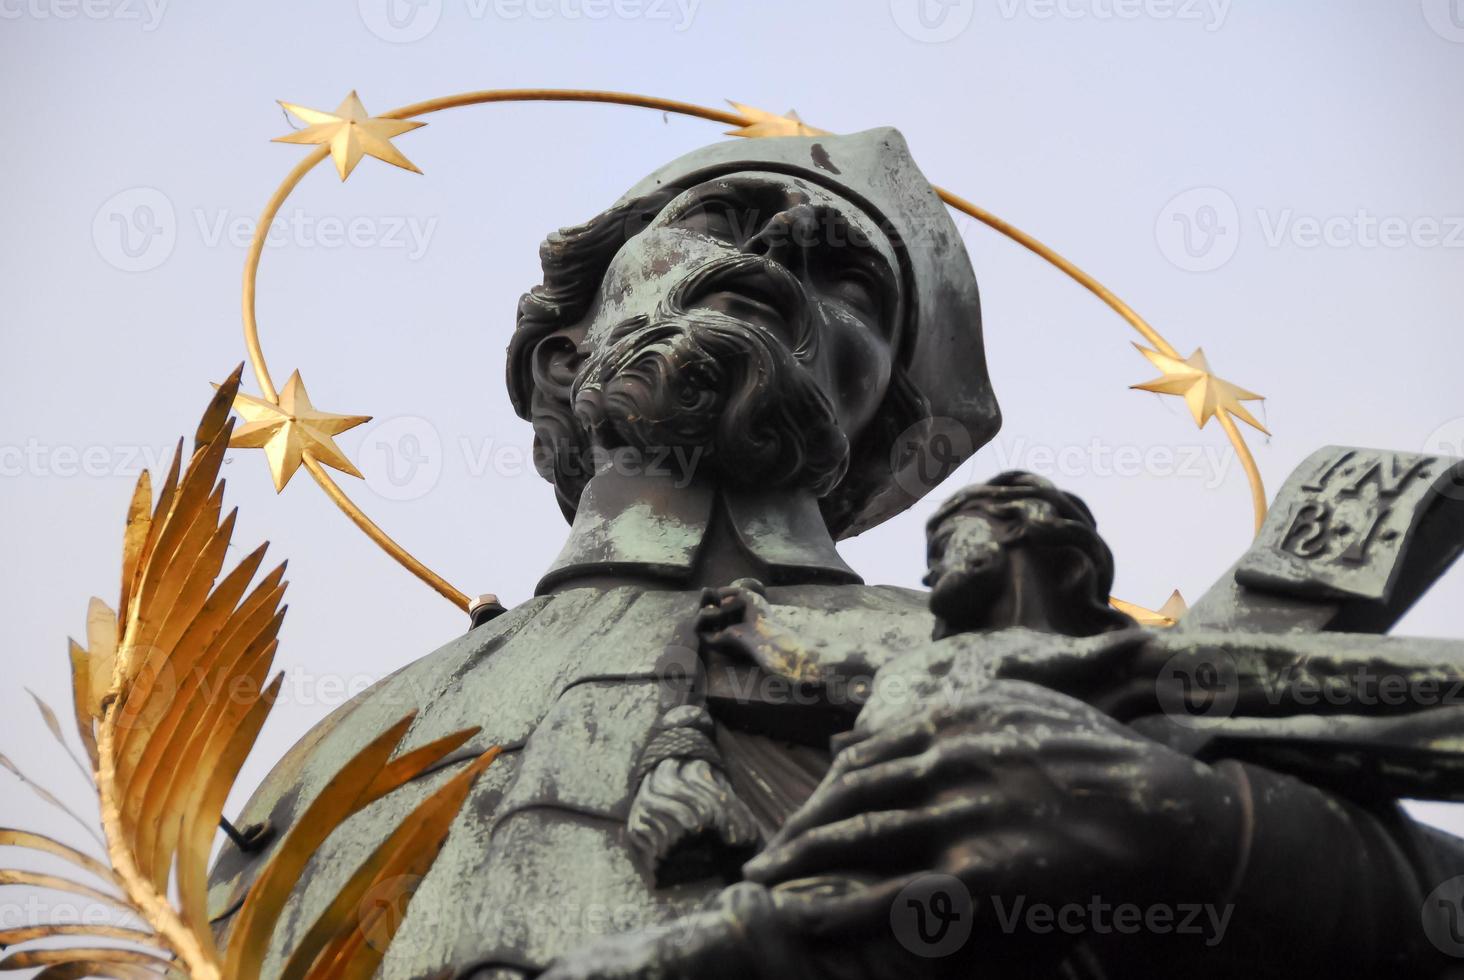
{"x": 857, "y": 288}
{"x": 715, "y": 219}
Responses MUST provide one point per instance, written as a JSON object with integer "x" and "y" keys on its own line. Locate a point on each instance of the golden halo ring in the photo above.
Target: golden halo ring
{"x": 746, "y": 119}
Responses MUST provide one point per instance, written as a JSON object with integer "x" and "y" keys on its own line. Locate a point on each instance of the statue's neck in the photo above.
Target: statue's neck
{"x": 669, "y": 532}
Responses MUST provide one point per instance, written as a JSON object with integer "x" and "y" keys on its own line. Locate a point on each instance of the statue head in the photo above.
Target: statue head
{"x": 1017, "y": 551}
{"x": 781, "y": 313}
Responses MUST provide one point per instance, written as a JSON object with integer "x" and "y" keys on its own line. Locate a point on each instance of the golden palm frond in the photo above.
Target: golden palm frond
{"x": 181, "y": 671}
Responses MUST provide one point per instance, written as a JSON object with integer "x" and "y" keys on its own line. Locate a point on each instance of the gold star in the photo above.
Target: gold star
{"x": 1205, "y": 394}
{"x": 1166, "y": 615}
{"x": 292, "y": 431}
{"x": 761, "y": 123}
{"x": 351, "y": 134}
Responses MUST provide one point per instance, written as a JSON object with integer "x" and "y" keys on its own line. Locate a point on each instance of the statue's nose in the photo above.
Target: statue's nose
{"x": 787, "y": 235}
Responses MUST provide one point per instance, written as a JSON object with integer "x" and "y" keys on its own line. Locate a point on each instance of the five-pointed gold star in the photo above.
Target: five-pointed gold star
{"x": 1205, "y": 394}
{"x": 292, "y": 431}
{"x": 351, "y": 134}
{"x": 762, "y": 123}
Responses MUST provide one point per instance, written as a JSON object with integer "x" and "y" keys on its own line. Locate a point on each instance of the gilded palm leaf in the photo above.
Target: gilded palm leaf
{"x": 182, "y": 672}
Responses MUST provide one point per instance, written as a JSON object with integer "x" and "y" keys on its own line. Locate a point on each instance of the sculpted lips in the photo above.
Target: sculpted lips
{"x": 756, "y": 291}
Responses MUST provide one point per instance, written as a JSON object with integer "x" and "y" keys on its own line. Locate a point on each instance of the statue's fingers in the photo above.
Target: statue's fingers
{"x": 750, "y": 585}
{"x": 711, "y": 619}
{"x": 982, "y": 714}
{"x": 885, "y": 842}
{"x": 721, "y": 612}
{"x": 904, "y": 783}
{"x": 987, "y": 866}
{"x": 910, "y": 737}
{"x": 721, "y": 597}
{"x": 854, "y": 908}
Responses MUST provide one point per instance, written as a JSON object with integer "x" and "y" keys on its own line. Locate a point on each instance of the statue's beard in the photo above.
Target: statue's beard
{"x": 713, "y": 391}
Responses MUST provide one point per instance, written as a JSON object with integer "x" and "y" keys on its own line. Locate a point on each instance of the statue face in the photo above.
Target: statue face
{"x": 827, "y": 264}
{"x": 999, "y": 559}
{"x": 967, "y": 561}
{"x": 757, "y": 266}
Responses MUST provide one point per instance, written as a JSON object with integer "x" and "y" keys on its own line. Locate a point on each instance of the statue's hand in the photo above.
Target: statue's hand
{"x": 738, "y": 621}
{"x": 730, "y": 616}
{"x": 1016, "y": 790}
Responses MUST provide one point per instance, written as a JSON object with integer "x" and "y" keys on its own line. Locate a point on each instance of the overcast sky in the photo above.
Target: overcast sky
{"x": 1278, "y": 182}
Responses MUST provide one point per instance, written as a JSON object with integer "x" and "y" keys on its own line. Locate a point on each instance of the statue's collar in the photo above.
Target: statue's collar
{"x": 653, "y": 527}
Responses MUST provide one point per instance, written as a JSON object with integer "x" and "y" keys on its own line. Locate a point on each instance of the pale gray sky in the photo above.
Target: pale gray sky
{"x": 1276, "y": 181}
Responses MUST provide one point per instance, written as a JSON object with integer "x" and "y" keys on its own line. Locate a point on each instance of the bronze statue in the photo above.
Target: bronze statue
{"x": 726, "y": 756}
